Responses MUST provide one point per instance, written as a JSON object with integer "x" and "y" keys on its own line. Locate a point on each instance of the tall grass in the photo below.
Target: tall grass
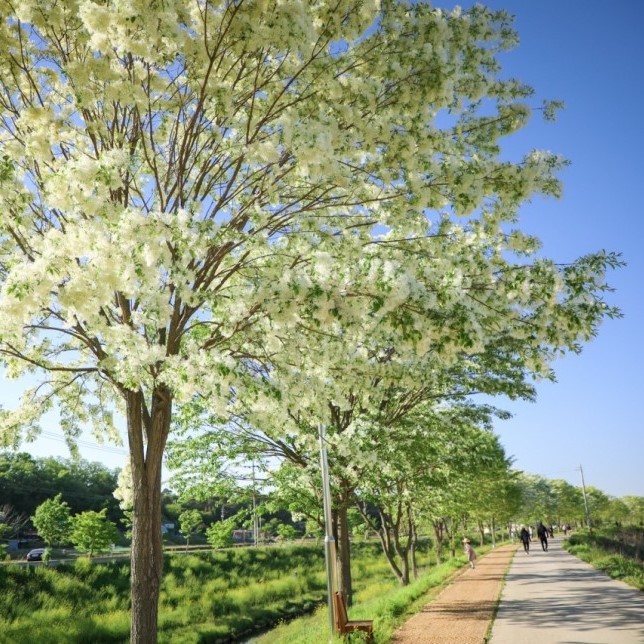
{"x": 378, "y": 597}
{"x": 80, "y": 603}
{"x": 601, "y": 551}
{"x": 206, "y": 597}
{"x": 233, "y": 593}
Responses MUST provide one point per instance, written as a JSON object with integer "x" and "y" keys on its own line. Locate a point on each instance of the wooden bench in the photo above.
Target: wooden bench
{"x": 342, "y": 622}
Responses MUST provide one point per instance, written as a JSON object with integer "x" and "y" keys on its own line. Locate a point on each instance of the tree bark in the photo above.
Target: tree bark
{"x": 438, "y": 532}
{"x": 481, "y": 527}
{"x": 389, "y": 532}
{"x": 343, "y": 552}
{"x": 147, "y": 435}
{"x": 451, "y": 525}
{"x": 389, "y": 552}
{"x": 413, "y": 549}
{"x": 385, "y": 539}
{"x": 403, "y": 545}
{"x": 403, "y": 553}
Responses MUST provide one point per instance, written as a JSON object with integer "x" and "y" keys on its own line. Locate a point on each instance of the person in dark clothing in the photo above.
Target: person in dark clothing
{"x": 524, "y": 535}
{"x": 542, "y": 533}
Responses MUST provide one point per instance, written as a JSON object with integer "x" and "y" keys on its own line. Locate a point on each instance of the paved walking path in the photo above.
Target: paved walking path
{"x": 554, "y": 598}
{"x": 548, "y": 598}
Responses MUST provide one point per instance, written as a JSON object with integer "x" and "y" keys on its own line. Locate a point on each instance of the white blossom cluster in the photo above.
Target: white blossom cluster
{"x": 267, "y": 205}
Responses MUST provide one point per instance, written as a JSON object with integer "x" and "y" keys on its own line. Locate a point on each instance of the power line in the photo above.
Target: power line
{"x": 111, "y": 449}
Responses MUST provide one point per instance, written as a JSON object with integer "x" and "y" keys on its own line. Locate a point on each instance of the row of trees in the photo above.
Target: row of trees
{"x": 261, "y": 217}
{"x": 515, "y": 497}
{"x": 89, "y": 531}
{"x": 443, "y": 479}
{"x": 496, "y": 503}
{"x": 560, "y": 502}
{"x": 26, "y": 481}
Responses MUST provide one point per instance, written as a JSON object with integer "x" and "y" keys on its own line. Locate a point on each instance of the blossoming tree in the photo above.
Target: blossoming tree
{"x": 182, "y": 182}
{"x": 489, "y": 334}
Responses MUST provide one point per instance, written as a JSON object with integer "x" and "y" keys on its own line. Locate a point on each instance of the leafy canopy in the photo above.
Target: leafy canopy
{"x": 183, "y": 183}
{"x": 52, "y": 520}
{"x": 93, "y": 532}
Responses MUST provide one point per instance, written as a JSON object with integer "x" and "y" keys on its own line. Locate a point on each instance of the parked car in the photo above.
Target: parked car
{"x": 35, "y": 554}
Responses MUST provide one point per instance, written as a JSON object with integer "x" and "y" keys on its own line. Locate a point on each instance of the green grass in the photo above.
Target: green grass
{"x": 601, "y": 551}
{"x": 208, "y": 597}
{"x": 235, "y": 592}
{"x": 377, "y": 596}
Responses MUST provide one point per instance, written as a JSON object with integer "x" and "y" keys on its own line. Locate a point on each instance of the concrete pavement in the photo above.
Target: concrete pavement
{"x": 554, "y": 598}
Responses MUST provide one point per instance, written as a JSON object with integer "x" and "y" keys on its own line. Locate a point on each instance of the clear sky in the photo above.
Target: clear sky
{"x": 589, "y": 54}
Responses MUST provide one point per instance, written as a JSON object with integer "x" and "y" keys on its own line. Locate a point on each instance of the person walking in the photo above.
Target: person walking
{"x": 524, "y": 535}
{"x": 542, "y": 533}
{"x": 469, "y": 551}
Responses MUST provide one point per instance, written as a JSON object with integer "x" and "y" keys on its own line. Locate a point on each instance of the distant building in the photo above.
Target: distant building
{"x": 243, "y": 536}
{"x": 167, "y": 527}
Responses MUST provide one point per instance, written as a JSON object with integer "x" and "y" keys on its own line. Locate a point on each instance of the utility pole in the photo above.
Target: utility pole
{"x": 255, "y": 524}
{"x": 329, "y": 539}
{"x": 583, "y": 489}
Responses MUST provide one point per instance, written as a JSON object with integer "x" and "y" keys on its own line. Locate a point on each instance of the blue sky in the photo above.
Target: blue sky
{"x": 589, "y": 54}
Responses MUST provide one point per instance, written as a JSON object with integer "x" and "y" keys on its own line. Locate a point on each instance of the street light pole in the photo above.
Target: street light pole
{"x": 329, "y": 539}
{"x": 255, "y": 525}
{"x": 583, "y": 489}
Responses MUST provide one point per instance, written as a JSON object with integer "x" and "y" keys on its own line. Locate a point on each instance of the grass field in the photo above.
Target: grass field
{"x": 218, "y": 596}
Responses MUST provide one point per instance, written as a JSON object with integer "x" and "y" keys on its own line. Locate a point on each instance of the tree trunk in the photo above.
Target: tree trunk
{"x": 404, "y": 559}
{"x": 147, "y": 435}
{"x": 450, "y": 525}
{"x": 403, "y": 549}
{"x": 388, "y": 550}
{"x": 384, "y": 536}
{"x": 390, "y": 531}
{"x": 403, "y": 554}
{"x": 413, "y": 550}
{"x": 438, "y": 532}
{"x": 451, "y": 535}
{"x": 343, "y": 552}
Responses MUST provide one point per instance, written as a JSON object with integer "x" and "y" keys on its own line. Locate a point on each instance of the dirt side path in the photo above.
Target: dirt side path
{"x": 462, "y": 612}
